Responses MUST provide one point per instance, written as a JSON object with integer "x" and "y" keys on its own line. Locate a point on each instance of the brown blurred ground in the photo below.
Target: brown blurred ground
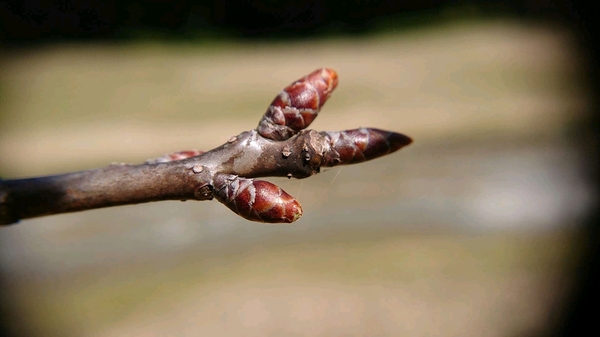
{"x": 469, "y": 231}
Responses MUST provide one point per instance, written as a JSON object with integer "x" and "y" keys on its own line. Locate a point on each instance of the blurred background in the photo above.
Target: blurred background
{"x": 483, "y": 226}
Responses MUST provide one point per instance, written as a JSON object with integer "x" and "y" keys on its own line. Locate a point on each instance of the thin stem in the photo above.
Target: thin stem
{"x": 110, "y": 186}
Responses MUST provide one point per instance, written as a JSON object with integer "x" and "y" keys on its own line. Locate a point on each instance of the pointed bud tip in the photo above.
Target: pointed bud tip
{"x": 295, "y": 214}
{"x": 330, "y": 77}
{"x": 398, "y": 141}
{"x": 332, "y": 73}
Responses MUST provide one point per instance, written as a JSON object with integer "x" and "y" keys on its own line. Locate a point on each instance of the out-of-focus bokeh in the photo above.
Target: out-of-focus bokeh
{"x": 473, "y": 230}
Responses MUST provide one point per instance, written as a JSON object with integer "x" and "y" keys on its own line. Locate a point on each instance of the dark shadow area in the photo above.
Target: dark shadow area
{"x": 577, "y": 317}
{"x": 34, "y": 22}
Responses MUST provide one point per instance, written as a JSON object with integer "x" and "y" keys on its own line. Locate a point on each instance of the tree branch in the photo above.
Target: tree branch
{"x": 278, "y": 147}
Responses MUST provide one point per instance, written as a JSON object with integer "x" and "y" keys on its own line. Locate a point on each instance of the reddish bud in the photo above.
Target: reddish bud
{"x": 256, "y": 200}
{"x": 297, "y": 105}
{"x": 355, "y": 146}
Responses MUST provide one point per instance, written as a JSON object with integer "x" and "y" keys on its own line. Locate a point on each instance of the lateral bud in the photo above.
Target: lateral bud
{"x": 256, "y": 200}
{"x": 297, "y": 105}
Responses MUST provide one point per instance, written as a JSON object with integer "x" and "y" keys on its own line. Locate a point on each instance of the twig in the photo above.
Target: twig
{"x": 279, "y": 146}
